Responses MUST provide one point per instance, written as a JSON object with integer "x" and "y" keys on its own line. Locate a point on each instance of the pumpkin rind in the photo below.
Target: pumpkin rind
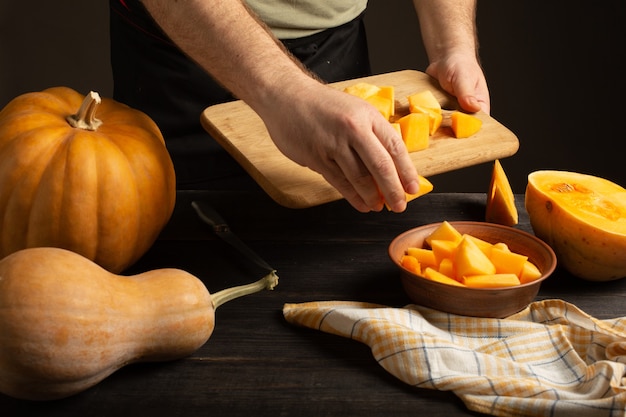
{"x": 105, "y": 194}
{"x": 583, "y": 218}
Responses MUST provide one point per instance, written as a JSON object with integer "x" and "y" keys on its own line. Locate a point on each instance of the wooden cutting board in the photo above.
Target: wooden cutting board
{"x": 243, "y": 134}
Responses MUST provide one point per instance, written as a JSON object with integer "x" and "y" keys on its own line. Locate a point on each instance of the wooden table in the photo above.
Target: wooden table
{"x": 256, "y": 363}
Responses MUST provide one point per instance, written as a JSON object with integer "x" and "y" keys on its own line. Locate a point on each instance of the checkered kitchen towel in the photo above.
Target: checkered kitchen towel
{"x": 551, "y": 359}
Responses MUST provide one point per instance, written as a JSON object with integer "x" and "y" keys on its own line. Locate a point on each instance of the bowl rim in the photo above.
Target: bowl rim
{"x": 544, "y": 274}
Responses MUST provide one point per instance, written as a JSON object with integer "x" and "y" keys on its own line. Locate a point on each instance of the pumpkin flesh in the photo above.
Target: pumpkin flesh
{"x": 500, "y": 206}
{"x": 583, "y": 218}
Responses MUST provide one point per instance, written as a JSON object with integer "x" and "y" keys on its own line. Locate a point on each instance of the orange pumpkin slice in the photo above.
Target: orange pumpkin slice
{"x": 500, "y": 199}
{"x": 415, "y": 129}
{"x": 425, "y": 187}
{"x": 464, "y": 125}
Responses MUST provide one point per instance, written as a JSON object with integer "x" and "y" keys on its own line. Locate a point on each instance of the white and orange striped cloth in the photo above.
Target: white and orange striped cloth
{"x": 551, "y": 359}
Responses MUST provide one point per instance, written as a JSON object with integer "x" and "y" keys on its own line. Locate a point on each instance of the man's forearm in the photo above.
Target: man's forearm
{"x": 447, "y": 25}
{"x": 225, "y": 39}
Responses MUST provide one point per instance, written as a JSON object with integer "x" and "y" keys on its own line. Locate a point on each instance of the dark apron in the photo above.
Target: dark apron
{"x": 151, "y": 74}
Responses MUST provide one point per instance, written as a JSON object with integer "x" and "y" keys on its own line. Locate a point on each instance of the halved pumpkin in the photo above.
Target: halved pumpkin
{"x": 583, "y": 218}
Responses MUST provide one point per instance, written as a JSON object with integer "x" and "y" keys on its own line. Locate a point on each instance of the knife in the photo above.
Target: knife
{"x": 211, "y": 217}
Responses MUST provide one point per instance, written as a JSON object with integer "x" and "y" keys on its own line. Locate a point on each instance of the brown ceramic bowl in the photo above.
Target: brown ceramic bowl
{"x": 476, "y": 302}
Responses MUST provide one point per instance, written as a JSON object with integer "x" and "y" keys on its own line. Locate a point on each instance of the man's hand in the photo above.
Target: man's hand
{"x": 347, "y": 141}
{"x": 461, "y": 76}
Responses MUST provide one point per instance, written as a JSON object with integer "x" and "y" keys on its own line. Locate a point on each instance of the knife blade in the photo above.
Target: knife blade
{"x": 211, "y": 217}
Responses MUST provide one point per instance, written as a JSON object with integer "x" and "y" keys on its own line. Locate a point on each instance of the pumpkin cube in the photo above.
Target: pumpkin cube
{"x": 362, "y": 89}
{"x": 491, "y": 281}
{"x": 425, "y": 187}
{"x": 506, "y": 261}
{"x": 380, "y": 97}
{"x": 426, "y": 257}
{"x": 529, "y": 273}
{"x": 435, "y": 118}
{"x": 471, "y": 260}
{"x": 425, "y": 102}
{"x": 384, "y": 105}
{"x": 435, "y": 275}
{"x": 445, "y": 231}
{"x": 484, "y": 246}
{"x": 388, "y": 92}
{"x": 446, "y": 267}
{"x": 415, "y": 129}
{"x": 464, "y": 125}
{"x": 443, "y": 249}
{"x": 424, "y": 99}
{"x": 501, "y": 246}
{"x": 411, "y": 264}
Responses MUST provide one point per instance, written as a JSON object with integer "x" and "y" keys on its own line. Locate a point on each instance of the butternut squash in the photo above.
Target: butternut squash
{"x": 66, "y": 323}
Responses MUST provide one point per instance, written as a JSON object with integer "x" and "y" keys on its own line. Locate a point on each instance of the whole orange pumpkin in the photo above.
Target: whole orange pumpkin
{"x": 86, "y": 174}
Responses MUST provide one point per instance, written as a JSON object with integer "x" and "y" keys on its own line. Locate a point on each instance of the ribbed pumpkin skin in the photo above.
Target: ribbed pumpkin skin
{"x": 66, "y": 323}
{"x": 105, "y": 194}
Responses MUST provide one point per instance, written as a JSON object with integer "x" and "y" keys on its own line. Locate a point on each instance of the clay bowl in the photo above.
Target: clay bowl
{"x": 475, "y": 302}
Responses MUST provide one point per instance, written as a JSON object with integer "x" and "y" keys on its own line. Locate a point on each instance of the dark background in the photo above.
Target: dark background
{"x": 553, "y": 67}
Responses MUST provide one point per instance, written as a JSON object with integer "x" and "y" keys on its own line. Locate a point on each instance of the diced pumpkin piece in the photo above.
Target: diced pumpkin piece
{"x": 425, "y": 102}
{"x": 411, "y": 264}
{"x": 426, "y": 257}
{"x": 491, "y": 281}
{"x": 425, "y": 187}
{"x": 443, "y": 249}
{"x": 445, "y": 231}
{"x": 435, "y": 275}
{"x": 470, "y": 259}
{"x": 529, "y": 273}
{"x": 484, "y": 246}
{"x": 435, "y": 117}
{"x": 507, "y": 262}
{"x": 382, "y": 104}
{"x": 501, "y": 246}
{"x": 388, "y": 92}
{"x": 464, "y": 125}
{"x": 415, "y": 129}
{"x": 500, "y": 199}
{"x": 446, "y": 267}
{"x": 424, "y": 99}
{"x": 362, "y": 89}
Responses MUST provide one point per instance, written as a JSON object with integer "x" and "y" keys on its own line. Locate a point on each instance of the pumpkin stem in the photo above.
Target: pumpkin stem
{"x": 268, "y": 282}
{"x": 86, "y": 116}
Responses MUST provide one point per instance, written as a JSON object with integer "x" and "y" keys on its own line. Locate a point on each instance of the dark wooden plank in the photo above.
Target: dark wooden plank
{"x": 255, "y": 361}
